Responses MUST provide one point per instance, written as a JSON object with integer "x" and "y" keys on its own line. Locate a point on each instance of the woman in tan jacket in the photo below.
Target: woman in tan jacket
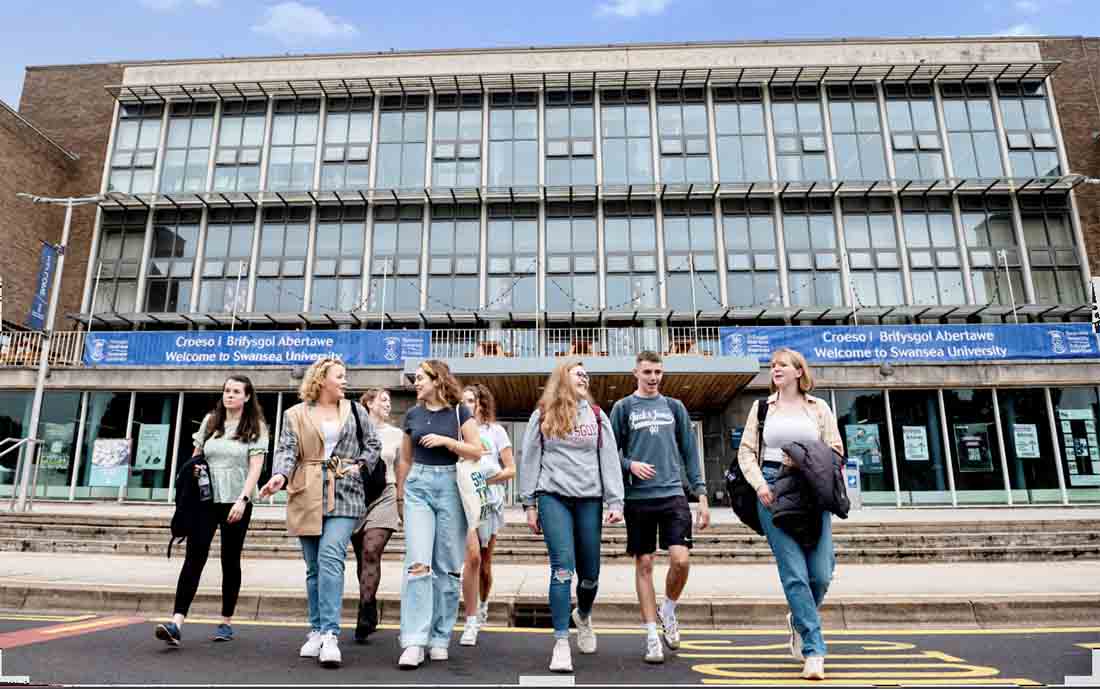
{"x": 319, "y": 459}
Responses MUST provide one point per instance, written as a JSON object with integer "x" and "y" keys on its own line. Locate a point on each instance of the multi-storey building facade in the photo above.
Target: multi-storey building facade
{"x": 526, "y": 204}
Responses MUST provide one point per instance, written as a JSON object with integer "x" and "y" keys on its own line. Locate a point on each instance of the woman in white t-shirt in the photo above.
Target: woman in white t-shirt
{"x": 497, "y": 466}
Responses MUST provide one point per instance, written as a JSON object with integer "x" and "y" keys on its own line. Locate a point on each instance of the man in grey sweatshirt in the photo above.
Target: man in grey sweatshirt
{"x": 655, "y": 441}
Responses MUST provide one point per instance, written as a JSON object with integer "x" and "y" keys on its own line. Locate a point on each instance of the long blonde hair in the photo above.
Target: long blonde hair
{"x": 558, "y": 404}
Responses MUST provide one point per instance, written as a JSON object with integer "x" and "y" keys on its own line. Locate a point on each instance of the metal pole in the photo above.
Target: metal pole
{"x": 236, "y": 297}
{"x": 382, "y": 304}
{"x": 1003, "y": 256}
{"x": 694, "y": 308}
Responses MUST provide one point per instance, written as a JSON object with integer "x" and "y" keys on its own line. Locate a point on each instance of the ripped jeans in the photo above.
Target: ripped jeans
{"x": 571, "y": 528}
{"x": 435, "y": 540}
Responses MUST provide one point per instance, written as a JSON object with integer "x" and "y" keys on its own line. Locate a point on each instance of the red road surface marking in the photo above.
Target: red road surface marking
{"x": 21, "y": 638}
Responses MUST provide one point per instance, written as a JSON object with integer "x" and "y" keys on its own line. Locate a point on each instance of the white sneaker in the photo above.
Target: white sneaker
{"x": 561, "y": 661}
{"x": 411, "y": 658}
{"x": 438, "y": 654}
{"x": 483, "y": 613}
{"x": 469, "y": 633}
{"x": 670, "y": 630}
{"x": 312, "y": 647}
{"x": 814, "y": 669}
{"x": 586, "y": 636}
{"x": 794, "y": 641}
{"x": 330, "y": 651}
{"x": 654, "y": 651}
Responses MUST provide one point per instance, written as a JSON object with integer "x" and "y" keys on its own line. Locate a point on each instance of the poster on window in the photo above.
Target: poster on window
{"x": 915, "y": 442}
{"x": 1026, "y": 439}
{"x": 57, "y": 444}
{"x": 110, "y": 462}
{"x": 1082, "y": 450}
{"x": 864, "y": 447}
{"x": 152, "y": 448}
{"x": 972, "y": 448}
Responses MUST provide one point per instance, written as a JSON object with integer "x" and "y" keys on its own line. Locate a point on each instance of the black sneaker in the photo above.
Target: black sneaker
{"x": 170, "y": 633}
{"x": 367, "y": 620}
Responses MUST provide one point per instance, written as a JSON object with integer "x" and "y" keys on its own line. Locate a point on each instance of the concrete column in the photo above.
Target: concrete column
{"x": 79, "y": 446}
{"x": 1075, "y": 212}
{"x": 368, "y": 238}
{"x": 891, "y": 172}
{"x": 948, "y": 467}
{"x": 893, "y": 448}
{"x": 215, "y": 132}
{"x": 146, "y": 250}
{"x": 175, "y": 447}
{"x": 1017, "y": 220}
{"x": 719, "y": 235}
{"x": 1001, "y": 438}
{"x": 601, "y": 250}
{"x": 311, "y": 254}
{"x": 259, "y": 222}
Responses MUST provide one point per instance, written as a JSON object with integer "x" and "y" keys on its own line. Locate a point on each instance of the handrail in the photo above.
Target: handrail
{"x": 16, "y": 478}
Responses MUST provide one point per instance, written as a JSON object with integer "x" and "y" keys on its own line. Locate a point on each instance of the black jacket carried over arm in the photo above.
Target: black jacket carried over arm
{"x": 809, "y": 487}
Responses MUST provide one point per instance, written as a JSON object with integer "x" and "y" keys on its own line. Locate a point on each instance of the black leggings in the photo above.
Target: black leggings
{"x": 198, "y": 549}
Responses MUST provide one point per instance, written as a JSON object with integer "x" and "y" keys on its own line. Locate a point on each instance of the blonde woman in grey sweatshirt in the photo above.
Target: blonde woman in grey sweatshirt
{"x": 568, "y": 470}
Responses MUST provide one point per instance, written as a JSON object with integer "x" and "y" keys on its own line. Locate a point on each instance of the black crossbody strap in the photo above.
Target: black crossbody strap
{"x": 358, "y": 428}
{"x": 761, "y": 415}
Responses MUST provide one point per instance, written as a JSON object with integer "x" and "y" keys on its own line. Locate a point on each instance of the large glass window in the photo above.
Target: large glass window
{"x": 454, "y": 249}
{"x": 514, "y": 139}
{"x": 799, "y": 132}
{"x": 968, "y": 114}
{"x": 918, "y": 447}
{"x": 225, "y": 260}
{"x": 1055, "y": 264}
{"x": 107, "y": 417}
{"x": 172, "y": 264}
{"x": 293, "y": 144}
{"x": 914, "y": 131}
{"x": 338, "y": 258}
{"x": 690, "y": 250}
{"x": 571, "y": 267}
{"x": 402, "y": 137}
{"x": 121, "y": 243}
{"x": 136, "y": 142}
{"x": 813, "y": 260}
{"x": 14, "y": 417}
{"x": 570, "y": 138}
{"x": 991, "y": 242}
{"x": 752, "y": 260}
{"x": 152, "y": 456}
{"x": 975, "y": 446}
{"x": 1029, "y": 446}
{"x": 395, "y": 259}
{"x": 187, "y": 150}
{"x": 281, "y": 268}
{"x": 874, "y": 263}
{"x": 857, "y": 132}
{"x": 627, "y": 150}
{"x": 630, "y": 242}
{"x": 742, "y": 137}
{"x": 1077, "y": 414}
{"x": 861, "y": 419}
{"x": 685, "y": 148}
{"x": 57, "y": 429}
{"x": 345, "y": 163}
{"x": 1032, "y": 148}
{"x": 240, "y": 145}
{"x": 934, "y": 264}
{"x": 513, "y": 257}
{"x": 456, "y": 145}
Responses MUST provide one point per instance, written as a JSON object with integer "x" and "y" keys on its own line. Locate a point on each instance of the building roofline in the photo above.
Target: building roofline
{"x": 565, "y": 48}
{"x": 5, "y": 108}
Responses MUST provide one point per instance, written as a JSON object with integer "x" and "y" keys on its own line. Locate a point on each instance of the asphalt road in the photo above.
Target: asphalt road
{"x": 111, "y": 649}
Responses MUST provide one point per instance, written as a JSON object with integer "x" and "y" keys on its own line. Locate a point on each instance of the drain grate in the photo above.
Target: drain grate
{"x": 531, "y": 616}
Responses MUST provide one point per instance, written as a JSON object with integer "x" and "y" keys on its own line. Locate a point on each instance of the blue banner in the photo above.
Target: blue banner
{"x": 36, "y": 317}
{"x": 904, "y": 344}
{"x": 253, "y": 348}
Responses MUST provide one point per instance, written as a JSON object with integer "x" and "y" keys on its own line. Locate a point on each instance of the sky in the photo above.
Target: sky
{"x": 52, "y": 32}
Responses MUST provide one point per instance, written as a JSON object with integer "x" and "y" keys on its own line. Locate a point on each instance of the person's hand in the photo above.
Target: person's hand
{"x": 237, "y": 511}
{"x": 765, "y": 495}
{"x": 643, "y": 470}
{"x": 401, "y": 509}
{"x": 702, "y": 520}
{"x": 614, "y": 517}
{"x": 533, "y": 521}
{"x": 273, "y": 486}
{"x": 435, "y": 440}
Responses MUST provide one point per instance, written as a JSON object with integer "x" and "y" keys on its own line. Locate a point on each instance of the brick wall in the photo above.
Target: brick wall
{"x": 1077, "y": 90}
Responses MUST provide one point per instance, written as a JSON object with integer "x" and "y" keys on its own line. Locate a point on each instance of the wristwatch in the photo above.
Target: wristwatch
{"x": 246, "y": 499}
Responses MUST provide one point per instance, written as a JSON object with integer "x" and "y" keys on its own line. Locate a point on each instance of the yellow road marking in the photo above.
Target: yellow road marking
{"x": 84, "y": 626}
{"x": 795, "y": 681}
{"x": 1088, "y": 645}
{"x": 45, "y": 618}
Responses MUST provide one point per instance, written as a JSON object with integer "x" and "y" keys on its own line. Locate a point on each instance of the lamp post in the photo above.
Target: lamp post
{"x": 47, "y": 334}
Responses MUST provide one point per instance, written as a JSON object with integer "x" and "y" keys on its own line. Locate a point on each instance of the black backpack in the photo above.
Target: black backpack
{"x": 374, "y": 481}
{"x": 188, "y": 505}
{"x": 741, "y": 494}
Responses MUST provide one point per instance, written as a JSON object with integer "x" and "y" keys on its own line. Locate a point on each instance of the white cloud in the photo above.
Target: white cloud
{"x": 1020, "y": 30}
{"x": 295, "y": 24}
{"x": 632, "y": 8}
{"x": 166, "y": 5}
{"x": 1027, "y": 6}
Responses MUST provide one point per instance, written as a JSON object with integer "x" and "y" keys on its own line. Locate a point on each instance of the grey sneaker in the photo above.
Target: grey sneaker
{"x": 670, "y": 630}
{"x": 586, "y": 636}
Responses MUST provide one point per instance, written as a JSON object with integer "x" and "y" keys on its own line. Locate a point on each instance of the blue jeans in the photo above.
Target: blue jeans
{"x": 804, "y": 573}
{"x": 571, "y": 528}
{"x": 324, "y": 557}
{"x": 435, "y": 536}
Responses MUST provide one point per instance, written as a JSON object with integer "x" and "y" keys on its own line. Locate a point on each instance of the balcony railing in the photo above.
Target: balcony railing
{"x": 23, "y": 348}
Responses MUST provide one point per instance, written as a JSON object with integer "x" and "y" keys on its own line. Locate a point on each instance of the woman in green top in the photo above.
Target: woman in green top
{"x": 233, "y": 440}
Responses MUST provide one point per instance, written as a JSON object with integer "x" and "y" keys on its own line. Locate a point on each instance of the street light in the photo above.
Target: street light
{"x": 47, "y": 334}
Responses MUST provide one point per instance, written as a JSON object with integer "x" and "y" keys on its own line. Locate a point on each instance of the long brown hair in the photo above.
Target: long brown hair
{"x": 797, "y": 360}
{"x": 558, "y": 404}
{"x": 446, "y": 385}
{"x": 251, "y": 424}
{"x": 486, "y": 403}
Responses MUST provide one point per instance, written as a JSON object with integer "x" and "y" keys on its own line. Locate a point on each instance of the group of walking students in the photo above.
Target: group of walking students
{"x": 351, "y": 476}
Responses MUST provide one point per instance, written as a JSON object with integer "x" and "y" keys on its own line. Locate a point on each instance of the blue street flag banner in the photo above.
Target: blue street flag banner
{"x": 253, "y": 348}
{"x": 904, "y": 344}
{"x": 47, "y": 260}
